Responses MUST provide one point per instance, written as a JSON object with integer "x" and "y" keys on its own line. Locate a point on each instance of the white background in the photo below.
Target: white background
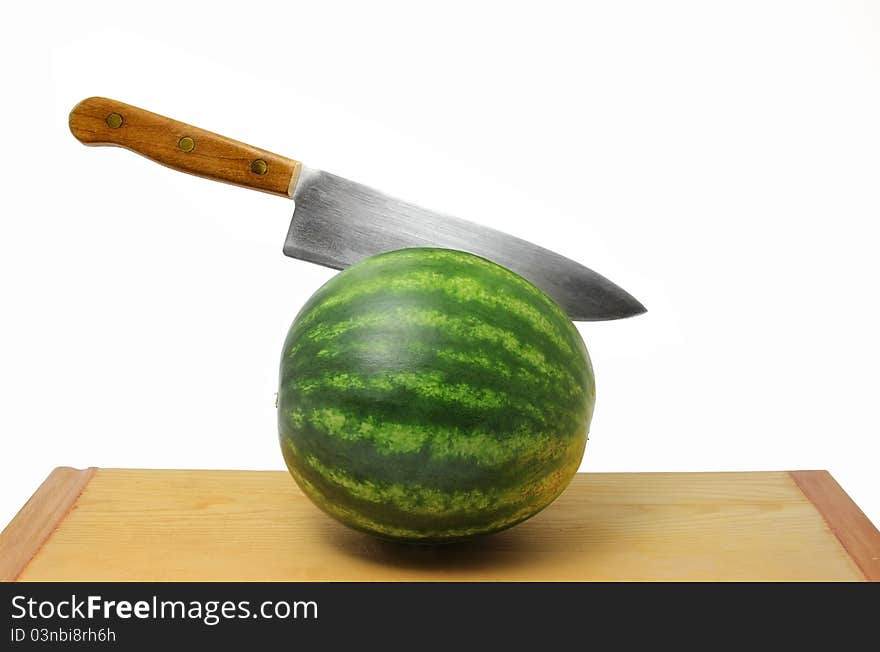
{"x": 721, "y": 161}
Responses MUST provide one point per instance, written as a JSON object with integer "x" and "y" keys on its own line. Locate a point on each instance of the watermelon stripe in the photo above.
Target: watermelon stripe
{"x": 456, "y": 287}
{"x": 492, "y": 288}
{"x": 426, "y": 387}
{"x": 453, "y": 354}
{"x": 444, "y": 354}
{"x": 363, "y": 458}
{"x": 416, "y": 395}
{"x": 418, "y": 499}
{"x": 396, "y": 506}
{"x": 466, "y": 329}
{"x": 524, "y": 395}
{"x": 474, "y": 312}
{"x": 409, "y": 408}
{"x": 429, "y": 385}
{"x": 355, "y": 519}
{"x": 406, "y": 406}
{"x": 420, "y": 257}
{"x": 389, "y": 438}
{"x": 348, "y": 418}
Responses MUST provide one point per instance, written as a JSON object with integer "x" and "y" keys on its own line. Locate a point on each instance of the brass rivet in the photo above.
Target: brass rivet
{"x": 186, "y": 144}
{"x": 259, "y": 167}
{"x": 113, "y": 120}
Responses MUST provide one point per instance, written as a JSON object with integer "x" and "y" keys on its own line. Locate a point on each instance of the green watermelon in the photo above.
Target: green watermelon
{"x": 429, "y": 395}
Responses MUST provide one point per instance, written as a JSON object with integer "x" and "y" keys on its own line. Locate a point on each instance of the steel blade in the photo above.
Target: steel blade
{"x": 338, "y": 222}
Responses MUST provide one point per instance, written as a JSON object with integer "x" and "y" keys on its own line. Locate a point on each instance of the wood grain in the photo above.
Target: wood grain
{"x": 38, "y": 519}
{"x": 101, "y": 121}
{"x": 849, "y": 524}
{"x": 248, "y": 525}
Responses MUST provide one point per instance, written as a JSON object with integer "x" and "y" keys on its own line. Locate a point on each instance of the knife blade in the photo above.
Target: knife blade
{"x": 337, "y": 222}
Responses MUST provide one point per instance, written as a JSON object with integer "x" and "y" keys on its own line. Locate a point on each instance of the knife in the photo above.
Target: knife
{"x": 337, "y": 222}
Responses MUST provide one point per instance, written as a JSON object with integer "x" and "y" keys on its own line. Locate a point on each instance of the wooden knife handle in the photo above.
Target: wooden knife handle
{"x": 99, "y": 121}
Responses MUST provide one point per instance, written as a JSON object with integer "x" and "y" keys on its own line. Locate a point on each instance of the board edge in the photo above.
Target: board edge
{"x": 854, "y": 530}
{"x": 40, "y": 516}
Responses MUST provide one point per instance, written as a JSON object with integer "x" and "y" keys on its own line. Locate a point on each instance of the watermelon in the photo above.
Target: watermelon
{"x": 429, "y": 395}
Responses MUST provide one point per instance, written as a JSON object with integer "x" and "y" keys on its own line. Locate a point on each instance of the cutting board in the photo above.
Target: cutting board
{"x": 132, "y": 524}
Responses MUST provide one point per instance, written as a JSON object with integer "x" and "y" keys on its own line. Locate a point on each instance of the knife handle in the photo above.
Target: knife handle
{"x": 99, "y": 121}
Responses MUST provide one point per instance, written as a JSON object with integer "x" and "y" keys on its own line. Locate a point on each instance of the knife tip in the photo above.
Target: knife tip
{"x": 624, "y": 308}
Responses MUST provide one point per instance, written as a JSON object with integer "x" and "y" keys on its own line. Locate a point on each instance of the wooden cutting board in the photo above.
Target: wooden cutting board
{"x": 127, "y": 524}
